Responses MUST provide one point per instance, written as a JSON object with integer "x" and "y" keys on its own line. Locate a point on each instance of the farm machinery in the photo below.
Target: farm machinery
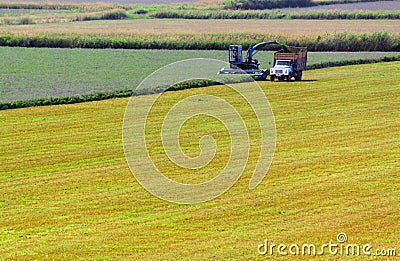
{"x": 288, "y": 62}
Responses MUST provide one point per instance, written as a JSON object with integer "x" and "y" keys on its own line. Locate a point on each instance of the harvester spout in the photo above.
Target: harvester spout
{"x": 252, "y": 49}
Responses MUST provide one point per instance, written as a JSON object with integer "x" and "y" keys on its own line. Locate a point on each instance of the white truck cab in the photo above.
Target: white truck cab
{"x": 282, "y": 68}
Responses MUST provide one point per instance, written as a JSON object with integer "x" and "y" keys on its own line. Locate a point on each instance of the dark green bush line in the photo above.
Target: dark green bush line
{"x": 102, "y": 96}
{"x": 333, "y": 2}
{"x": 262, "y": 14}
{"x": 109, "y": 15}
{"x": 180, "y": 86}
{"x": 267, "y": 4}
{"x": 218, "y": 14}
{"x": 347, "y": 42}
{"x": 64, "y": 100}
{"x": 274, "y": 4}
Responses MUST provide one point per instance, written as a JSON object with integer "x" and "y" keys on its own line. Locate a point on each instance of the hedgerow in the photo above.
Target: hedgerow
{"x": 269, "y": 14}
{"x": 349, "y": 42}
{"x": 115, "y": 14}
{"x": 102, "y": 95}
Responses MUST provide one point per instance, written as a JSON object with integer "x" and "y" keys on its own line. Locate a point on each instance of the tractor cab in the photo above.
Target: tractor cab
{"x": 236, "y": 59}
{"x": 235, "y": 56}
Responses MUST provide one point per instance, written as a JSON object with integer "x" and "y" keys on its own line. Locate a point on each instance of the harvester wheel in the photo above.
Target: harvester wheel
{"x": 263, "y": 77}
{"x": 272, "y": 78}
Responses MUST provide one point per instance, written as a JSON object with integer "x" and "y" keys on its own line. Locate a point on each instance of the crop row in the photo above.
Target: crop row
{"x": 267, "y": 14}
{"x": 379, "y": 41}
{"x": 181, "y": 86}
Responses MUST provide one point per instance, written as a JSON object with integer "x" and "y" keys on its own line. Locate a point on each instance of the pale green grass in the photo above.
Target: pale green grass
{"x": 44, "y": 72}
{"x": 67, "y": 193}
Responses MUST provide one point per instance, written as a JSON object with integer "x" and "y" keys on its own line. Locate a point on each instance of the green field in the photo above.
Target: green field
{"x": 67, "y": 192}
{"x": 45, "y": 73}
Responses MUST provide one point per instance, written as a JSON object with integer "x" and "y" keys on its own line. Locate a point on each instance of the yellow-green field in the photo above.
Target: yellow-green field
{"x": 67, "y": 192}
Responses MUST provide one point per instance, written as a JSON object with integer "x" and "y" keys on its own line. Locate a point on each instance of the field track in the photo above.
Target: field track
{"x": 67, "y": 192}
{"x": 168, "y": 26}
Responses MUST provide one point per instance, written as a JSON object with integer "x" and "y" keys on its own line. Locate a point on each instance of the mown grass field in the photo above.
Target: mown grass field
{"x": 44, "y": 73}
{"x": 67, "y": 192}
{"x": 195, "y": 26}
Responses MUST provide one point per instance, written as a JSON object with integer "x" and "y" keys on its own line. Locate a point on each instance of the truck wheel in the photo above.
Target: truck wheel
{"x": 288, "y": 78}
{"x": 281, "y": 78}
{"x": 272, "y": 78}
{"x": 299, "y": 75}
